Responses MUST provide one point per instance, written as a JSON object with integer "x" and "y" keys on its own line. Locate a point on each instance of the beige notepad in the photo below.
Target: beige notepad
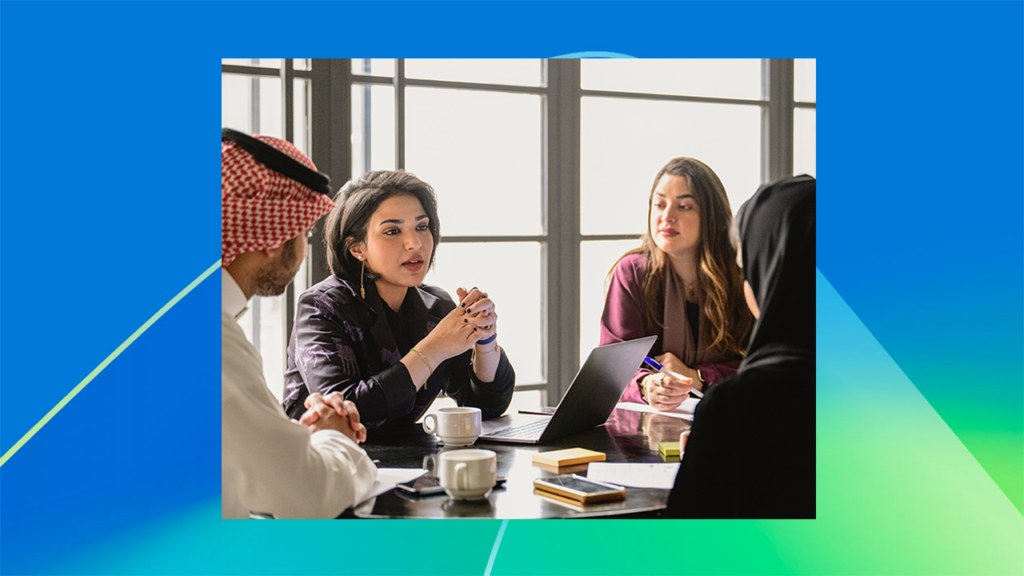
{"x": 568, "y": 457}
{"x": 563, "y": 469}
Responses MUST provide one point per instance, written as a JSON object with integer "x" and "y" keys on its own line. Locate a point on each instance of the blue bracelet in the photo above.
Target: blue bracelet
{"x": 489, "y": 340}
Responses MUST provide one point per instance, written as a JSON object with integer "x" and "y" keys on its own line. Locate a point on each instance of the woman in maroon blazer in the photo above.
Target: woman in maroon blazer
{"x": 681, "y": 285}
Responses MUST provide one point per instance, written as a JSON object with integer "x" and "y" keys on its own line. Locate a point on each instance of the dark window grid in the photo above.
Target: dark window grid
{"x": 262, "y": 71}
{"x": 450, "y": 84}
{"x": 672, "y": 98}
{"x": 777, "y": 106}
{"x": 400, "y": 82}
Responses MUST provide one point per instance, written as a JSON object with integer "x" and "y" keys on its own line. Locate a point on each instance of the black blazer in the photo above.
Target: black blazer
{"x": 342, "y": 342}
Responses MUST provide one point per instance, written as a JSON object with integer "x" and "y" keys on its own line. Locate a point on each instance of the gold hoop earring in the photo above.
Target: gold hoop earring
{"x": 362, "y": 273}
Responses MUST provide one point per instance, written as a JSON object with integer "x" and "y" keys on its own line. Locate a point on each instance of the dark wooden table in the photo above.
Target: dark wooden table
{"x": 627, "y": 436}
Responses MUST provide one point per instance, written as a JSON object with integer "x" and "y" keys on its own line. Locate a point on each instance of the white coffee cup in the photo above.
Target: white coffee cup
{"x": 468, "y": 474}
{"x": 459, "y": 426}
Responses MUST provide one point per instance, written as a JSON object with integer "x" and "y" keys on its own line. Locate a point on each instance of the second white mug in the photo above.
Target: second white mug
{"x": 458, "y": 426}
{"x": 468, "y": 474}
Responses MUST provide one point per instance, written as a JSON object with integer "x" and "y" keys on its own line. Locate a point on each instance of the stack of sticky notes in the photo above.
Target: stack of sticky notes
{"x": 669, "y": 451}
{"x": 567, "y": 461}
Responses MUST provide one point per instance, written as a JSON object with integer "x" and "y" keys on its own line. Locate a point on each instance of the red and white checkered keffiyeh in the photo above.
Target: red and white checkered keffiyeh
{"x": 261, "y": 208}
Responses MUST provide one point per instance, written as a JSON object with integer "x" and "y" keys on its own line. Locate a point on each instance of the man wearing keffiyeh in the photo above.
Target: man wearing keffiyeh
{"x": 271, "y": 195}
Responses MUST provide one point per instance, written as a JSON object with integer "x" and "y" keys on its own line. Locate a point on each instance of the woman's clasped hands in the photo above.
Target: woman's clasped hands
{"x": 472, "y": 321}
{"x": 479, "y": 312}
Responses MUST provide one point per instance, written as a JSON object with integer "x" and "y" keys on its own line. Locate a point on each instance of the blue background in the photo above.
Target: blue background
{"x": 109, "y": 120}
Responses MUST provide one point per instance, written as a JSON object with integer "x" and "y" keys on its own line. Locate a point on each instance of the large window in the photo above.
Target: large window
{"x": 635, "y": 117}
{"x": 254, "y": 101}
{"x": 542, "y": 168}
{"x": 474, "y": 130}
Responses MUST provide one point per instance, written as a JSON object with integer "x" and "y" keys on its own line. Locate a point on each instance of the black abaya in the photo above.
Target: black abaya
{"x": 750, "y": 453}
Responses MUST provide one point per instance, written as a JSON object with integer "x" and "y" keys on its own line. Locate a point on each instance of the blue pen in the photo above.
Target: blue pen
{"x": 653, "y": 363}
{"x": 660, "y": 368}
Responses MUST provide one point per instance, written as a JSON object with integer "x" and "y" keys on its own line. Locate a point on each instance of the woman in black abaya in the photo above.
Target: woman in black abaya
{"x": 750, "y": 452}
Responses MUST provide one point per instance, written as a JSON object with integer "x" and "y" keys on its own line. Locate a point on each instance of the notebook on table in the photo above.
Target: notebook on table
{"x": 590, "y": 399}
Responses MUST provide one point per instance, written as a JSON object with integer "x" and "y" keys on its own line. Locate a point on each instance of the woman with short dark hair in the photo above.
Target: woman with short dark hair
{"x": 682, "y": 285}
{"x": 374, "y": 332}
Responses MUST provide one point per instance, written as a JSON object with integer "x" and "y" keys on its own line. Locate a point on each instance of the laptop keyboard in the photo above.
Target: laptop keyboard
{"x": 530, "y": 430}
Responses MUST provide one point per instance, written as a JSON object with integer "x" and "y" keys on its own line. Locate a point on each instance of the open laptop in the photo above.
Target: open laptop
{"x": 590, "y": 398}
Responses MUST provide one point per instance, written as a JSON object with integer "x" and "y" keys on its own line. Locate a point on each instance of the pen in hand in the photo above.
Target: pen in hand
{"x": 660, "y": 368}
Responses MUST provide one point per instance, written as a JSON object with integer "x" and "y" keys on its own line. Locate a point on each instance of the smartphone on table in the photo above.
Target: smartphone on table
{"x": 422, "y": 486}
{"x": 426, "y": 485}
{"x": 580, "y": 489}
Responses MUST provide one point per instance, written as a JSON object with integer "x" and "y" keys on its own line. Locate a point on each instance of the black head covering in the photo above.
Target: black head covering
{"x": 776, "y": 229}
{"x": 751, "y": 452}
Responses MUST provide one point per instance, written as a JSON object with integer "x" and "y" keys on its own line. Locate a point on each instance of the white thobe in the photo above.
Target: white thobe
{"x": 269, "y": 463}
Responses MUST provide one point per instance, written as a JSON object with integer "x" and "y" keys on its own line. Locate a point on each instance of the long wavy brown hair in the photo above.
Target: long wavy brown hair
{"x": 726, "y": 316}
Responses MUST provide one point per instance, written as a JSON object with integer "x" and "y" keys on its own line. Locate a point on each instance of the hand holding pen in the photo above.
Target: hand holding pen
{"x": 666, "y": 389}
{"x": 667, "y": 363}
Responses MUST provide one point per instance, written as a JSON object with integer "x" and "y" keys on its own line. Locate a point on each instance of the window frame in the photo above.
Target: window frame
{"x": 331, "y": 83}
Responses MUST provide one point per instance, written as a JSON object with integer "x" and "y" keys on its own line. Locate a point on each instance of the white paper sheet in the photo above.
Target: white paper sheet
{"x": 634, "y": 475}
{"x": 684, "y": 411}
{"x": 388, "y": 478}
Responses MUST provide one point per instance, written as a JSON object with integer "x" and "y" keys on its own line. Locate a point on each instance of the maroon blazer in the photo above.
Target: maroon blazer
{"x": 624, "y": 319}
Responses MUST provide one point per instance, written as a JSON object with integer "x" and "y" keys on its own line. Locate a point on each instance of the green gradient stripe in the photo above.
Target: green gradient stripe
{"x": 106, "y": 362}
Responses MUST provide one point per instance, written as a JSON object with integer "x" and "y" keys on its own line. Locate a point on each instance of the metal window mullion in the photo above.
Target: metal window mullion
{"x": 254, "y": 106}
{"x": 477, "y": 239}
{"x": 373, "y": 80}
{"x": 777, "y": 119}
{"x": 609, "y": 237}
{"x": 449, "y": 84}
{"x": 367, "y": 121}
{"x": 562, "y": 196}
{"x": 331, "y": 135}
{"x": 287, "y": 100}
{"x": 248, "y": 70}
{"x": 288, "y": 122}
{"x": 399, "y": 83}
{"x": 549, "y": 292}
{"x": 260, "y": 71}
{"x": 669, "y": 98}
{"x": 254, "y": 126}
{"x": 478, "y": 87}
{"x": 542, "y": 386}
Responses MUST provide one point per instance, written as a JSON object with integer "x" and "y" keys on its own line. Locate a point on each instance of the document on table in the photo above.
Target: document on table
{"x": 684, "y": 411}
{"x": 388, "y": 478}
{"x": 644, "y": 475}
